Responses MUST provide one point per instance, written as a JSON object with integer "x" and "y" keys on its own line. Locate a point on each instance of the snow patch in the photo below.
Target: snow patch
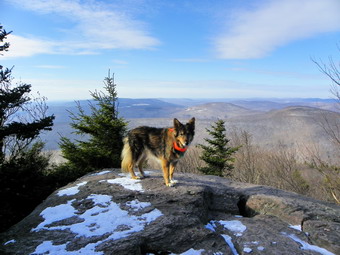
{"x": 227, "y": 238}
{"x": 127, "y": 183}
{"x": 72, "y": 190}
{"x": 104, "y": 218}
{"x": 307, "y": 246}
{"x": 247, "y": 250}
{"x": 211, "y": 226}
{"x": 235, "y": 226}
{"x": 56, "y": 213}
{"x": 135, "y": 205}
{"x": 101, "y": 173}
{"x": 10, "y": 242}
{"x": 296, "y": 227}
{"x": 191, "y": 252}
{"x": 260, "y": 248}
{"x": 48, "y": 247}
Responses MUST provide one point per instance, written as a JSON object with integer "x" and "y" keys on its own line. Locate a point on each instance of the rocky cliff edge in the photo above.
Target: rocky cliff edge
{"x": 108, "y": 213}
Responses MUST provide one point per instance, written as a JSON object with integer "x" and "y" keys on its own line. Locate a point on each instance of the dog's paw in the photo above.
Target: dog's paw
{"x": 135, "y": 178}
{"x": 170, "y": 184}
{"x": 173, "y": 181}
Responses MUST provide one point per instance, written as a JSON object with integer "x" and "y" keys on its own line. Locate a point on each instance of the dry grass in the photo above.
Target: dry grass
{"x": 282, "y": 167}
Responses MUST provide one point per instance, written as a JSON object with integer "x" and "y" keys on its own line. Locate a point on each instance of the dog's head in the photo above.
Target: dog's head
{"x": 184, "y": 134}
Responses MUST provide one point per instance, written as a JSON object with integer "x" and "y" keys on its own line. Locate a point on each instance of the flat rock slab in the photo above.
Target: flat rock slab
{"x": 108, "y": 213}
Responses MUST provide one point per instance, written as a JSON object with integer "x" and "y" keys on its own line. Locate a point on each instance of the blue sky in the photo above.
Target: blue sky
{"x": 172, "y": 48}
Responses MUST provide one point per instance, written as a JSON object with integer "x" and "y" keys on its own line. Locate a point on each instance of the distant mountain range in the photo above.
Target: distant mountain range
{"x": 293, "y": 122}
{"x": 203, "y": 108}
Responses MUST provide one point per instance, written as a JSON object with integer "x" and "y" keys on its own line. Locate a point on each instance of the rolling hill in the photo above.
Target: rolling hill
{"x": 297, "y": 127}
{"x": 216, "y": 110}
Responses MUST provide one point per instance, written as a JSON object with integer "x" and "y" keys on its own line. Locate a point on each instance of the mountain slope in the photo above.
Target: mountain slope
{"x": 297, "y": 127}
{"x": 127, "y": 108}
{"x": 214, "y": 111}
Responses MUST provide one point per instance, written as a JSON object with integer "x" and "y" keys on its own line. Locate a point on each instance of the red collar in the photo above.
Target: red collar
{"x": 176, "y": 147}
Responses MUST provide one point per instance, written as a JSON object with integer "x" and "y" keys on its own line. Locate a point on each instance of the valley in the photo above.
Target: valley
{"x": 294, "y": 123}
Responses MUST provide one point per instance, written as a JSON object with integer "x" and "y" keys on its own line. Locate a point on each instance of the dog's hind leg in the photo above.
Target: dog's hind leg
{"x": 132, "y": 172}
{"x": 140, "y": 165}
{"x": 128, "y": 161}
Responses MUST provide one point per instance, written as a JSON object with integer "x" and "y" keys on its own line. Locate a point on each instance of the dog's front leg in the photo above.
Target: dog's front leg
{"x": 165, "y": 168}
{"x": 171, "y": 174}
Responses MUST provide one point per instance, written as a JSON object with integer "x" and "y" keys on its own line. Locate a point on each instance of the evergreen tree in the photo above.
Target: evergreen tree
{"x": 3, "y": 36}
{"x": 103, "y": 128}
{"x": 22, "y": 118}
{"x": 217, "y": 155}
{"x": 23, "y": 183}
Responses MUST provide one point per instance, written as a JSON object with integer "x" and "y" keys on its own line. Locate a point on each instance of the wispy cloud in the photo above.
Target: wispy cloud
{"x": 190, "y": 60}
{"x": 50, "y": 67}
{"x": 256, "y": 33}
{"x": 28, "y": 46}
{"x": 96, "y": 26}
{"x": 120, "y": 62}
{"x": 284, "y": 74}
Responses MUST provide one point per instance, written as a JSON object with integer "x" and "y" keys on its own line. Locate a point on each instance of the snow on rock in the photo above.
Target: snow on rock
{"x": 260, "y": 248}
{"x": 55, "y": 214}
{"x": 247, "y": 250}
{"x": 296, "y": 227}
{"x": 191, "y": 252}
{"x": 104, "y": 218}
{"x": 235, "y": 226}
{"x": 47, "y": 247}
{"x": 101, "y": 173}
{"x": 227, "y": 238}
{"x": 135, "y": 205}
{"x": 307, "y": 246}
{"x": 127, "y": 183}
{"x": 112, "y": 214}
{"x": 71, "y": 191}
{"x": 10, "y": 242}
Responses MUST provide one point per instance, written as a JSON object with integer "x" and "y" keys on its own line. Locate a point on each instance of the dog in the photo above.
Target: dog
{"x": 167, "y": 145}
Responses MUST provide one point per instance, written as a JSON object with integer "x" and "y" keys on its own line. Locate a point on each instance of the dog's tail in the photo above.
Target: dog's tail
{"x": 126, "y": 156}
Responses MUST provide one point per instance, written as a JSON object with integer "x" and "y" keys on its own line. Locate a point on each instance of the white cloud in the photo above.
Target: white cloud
{"x": 96, "y": 26}
{"x": 255, "y": 33}
{"x": 26, "y": 47}
{"x": 190, "y": 60}
{"x": 50, "y": 67}
{"x": 218, "y": 89}
{"x": 63, "y": 89}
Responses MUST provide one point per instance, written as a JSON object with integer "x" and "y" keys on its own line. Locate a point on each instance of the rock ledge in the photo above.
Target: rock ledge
{"x": 108, "y": 213}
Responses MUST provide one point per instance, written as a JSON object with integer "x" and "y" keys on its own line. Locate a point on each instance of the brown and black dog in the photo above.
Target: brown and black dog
{"x": 167, "y": 145}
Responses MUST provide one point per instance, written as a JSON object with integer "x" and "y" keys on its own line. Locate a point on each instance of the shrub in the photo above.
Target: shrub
{"x": 23, "y": 184}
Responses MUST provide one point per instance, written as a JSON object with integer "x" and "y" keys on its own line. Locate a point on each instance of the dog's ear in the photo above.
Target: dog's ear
{"x": 177, "y": 125}
{"x": 192, "y": 123}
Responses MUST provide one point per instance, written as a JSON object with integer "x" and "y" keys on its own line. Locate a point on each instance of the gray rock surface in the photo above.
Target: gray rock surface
{"x": 108, "y": 213}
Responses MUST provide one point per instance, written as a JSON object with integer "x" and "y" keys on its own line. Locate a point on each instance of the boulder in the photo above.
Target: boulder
{"x": 108, "y": 213}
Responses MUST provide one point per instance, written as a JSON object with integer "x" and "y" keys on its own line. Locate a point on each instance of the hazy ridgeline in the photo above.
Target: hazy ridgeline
{"x": 287, "y": 147}
{"x": 294, "y": 168}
